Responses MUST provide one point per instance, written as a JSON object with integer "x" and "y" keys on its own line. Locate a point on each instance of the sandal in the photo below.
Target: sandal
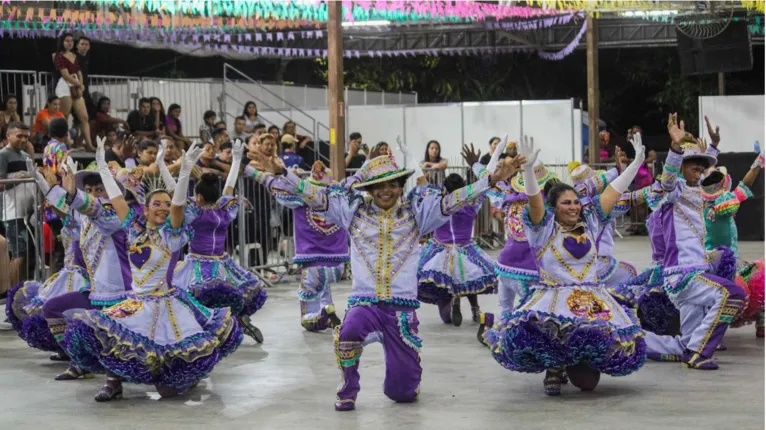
{"x": 110, "y": 391}
{"x": 73, "y": 372}
{"x": 552, "y": 382}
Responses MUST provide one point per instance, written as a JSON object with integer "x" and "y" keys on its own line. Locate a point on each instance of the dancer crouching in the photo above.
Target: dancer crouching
{"x": 384, "y": 234}
{"x": 159, "y": 335}
{"x": 569, "y": 321}
{"x": 208, "y": 272}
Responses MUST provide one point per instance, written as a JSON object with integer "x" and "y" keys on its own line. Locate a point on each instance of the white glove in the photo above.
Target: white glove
{"x": 167, "y": 178}
{"x": 623, "y": 181}
{"x": 71, "y": 164}
{"x": 237, "y": 149}
{"x": 527, "y": 149}
{"x": 189, "y": 159}
{"x": 37, "y": 176}
{"x": 410, "y": 158}
{"x": 496, "y": 155}
{"x": 110, "y": 185}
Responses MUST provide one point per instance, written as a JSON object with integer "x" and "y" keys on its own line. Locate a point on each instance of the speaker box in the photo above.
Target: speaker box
{"x": 729, "y": 51}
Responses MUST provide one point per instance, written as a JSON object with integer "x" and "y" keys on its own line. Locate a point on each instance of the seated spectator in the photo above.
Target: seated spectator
{"x": 111, "y": 138}
{"x": 172, "y": 154}
{"x": 173, "y": 127}
{"x": 434, "y": 161}
{"x": 141, "y": 122}
{"x": 122, "y": 151}
{"x": 239, "y": 129}
{"x": 56, "y": 150}
{"x": 288, "y": 155}
{"x": 208, "y": 161}
{"x": 274, "y": 131}
{"x": 147, "y": 153}
{"x": 221, "y": 125}
{"x": 18, "y": 201}
{"x": 42, "y": 120}
{"x": 206, "y": 129}
{"x": 220, "y": 135}
{"x": 224, "y": 153}
{"x": 9, "y": 114}
{"x": 158, "y": 114}
{"x": 355, "y": 159}
{"x": 380, "y": 148}
{"x": 250, "y": 113}
{"x": 103, "y": 122}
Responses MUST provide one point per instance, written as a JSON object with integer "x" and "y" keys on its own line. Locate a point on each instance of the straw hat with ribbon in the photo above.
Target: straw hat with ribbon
{"x": 542, "y": 174}
{"x": 381, "y": 169}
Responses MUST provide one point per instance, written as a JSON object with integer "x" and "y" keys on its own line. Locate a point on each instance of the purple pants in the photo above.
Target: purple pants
{"x": 396, "y": 329}
{"x": 707, "y": 305}
{"x": 53, "y": 311}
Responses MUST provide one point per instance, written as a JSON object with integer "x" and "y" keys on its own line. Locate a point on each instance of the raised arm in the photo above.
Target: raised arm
{"x": 752, "y": 174}
{"x": 531, "y": 187}
{"x": 178, "y": 202}
{"x": 167, "y": 178}
{"x": 110, "y": 185}
{"x": 669, "y": 180}
{"x": 613, "y": 193}
{"x": 238, "y": 148}
{"x": 333, "y": 201}
{"x": 420, "y": 178}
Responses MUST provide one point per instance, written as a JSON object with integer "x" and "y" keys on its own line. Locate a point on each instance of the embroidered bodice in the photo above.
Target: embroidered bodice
{"x": 721, "y": 230}
{"x": 566, "y": 258}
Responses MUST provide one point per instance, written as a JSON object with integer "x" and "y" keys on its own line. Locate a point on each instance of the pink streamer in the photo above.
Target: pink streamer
{"x": 556, "y": 56}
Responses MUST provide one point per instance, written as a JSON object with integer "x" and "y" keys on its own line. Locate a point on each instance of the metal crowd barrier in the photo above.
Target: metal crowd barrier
{"x": 22, "y": 251}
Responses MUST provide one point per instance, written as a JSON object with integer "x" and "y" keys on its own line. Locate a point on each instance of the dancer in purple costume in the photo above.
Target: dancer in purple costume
{"x": 208, "y": 272}
{"x": 516, "y": 268}
{"x": 384, "y": 232}
{"x": 159, "y": 334}
{"x": 452, "y": 266}
{"x": 707, "y": 303}
{"x": 25, "y": 304}
{"x": 101, "y": 240}
{"x": 321, "y": 250}
{"x": 569, "y": 320}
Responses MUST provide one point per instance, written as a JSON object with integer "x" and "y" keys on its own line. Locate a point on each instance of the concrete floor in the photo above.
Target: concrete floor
{"x": 289, "y": 382}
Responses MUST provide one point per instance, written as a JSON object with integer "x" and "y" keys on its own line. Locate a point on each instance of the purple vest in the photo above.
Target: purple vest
{"x": 458, "y": 230}
{"x": 210, "y": 229}
{"x": 316, "y": 240}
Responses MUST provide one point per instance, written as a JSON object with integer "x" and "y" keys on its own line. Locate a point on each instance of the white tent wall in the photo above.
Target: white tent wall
{"x": 741, "y": 119}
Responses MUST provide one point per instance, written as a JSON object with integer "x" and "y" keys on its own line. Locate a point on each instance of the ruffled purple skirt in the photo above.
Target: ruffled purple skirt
{"x": 219, "y": 282}
{"x": 166, "y": 339}
{"x": 445, "y": 271}
{"x": 565, "y": 326}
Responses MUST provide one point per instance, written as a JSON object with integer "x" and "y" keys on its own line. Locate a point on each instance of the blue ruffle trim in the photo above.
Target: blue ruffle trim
{"x": 326, "y": 259}
{"x": 528, "y": 222}
{"x": 128, "y": 221}
{"x": 106, "y": 303}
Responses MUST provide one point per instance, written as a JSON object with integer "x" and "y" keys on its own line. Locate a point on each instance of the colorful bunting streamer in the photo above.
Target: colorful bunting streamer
{"x": 556, "y": 56}
{"x": 593, "y": 6}
{"x": 532, "y": 24}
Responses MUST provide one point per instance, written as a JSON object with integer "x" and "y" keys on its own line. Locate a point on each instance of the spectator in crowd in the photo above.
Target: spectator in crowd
{"x": 172, "y": 154}
{"x": 111, "y": 138}
{"x": 239, "y": 129}
{"x": 56, "y": 150}
{"x": 302, "y": 146}
{"x": 158, "y": 115}
{"x": 70, "y": 86}
{"x": 206, "y": 129}
{"x": 224, "y": 153}
{"x": 220, "y": 135}
{"x": 493, "y": 142}
{"x": 250, "y": 113}
{"x": 433, "y": 157}
{"x": 355, "y": 160}
{"x": 17, "y": 200}
{"x": 208, "y": 161}
{"x": 83, "y": 60}
{"x": 380, "y": 148}
{"x": 288, "y": 155}
{"x": 122, "y": 151}
{"x": 147, "y": 153}
{"x": 103, "y": 122}
{"x": 274, "y": 131}
{"x": 606, "y": 151}
{"x": 40, "y": 129}
{"x": 173, "y": 127}
{"x": 140, "y": 121}
{"x": 221, "y": 125}
{"x": 9, "y": 114}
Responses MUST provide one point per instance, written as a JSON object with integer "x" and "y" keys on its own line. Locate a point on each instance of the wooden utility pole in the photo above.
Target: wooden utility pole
{"x": 721, "y": 84}
{"x": 591, "y": 42}
{"x": 335, "y": 86}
